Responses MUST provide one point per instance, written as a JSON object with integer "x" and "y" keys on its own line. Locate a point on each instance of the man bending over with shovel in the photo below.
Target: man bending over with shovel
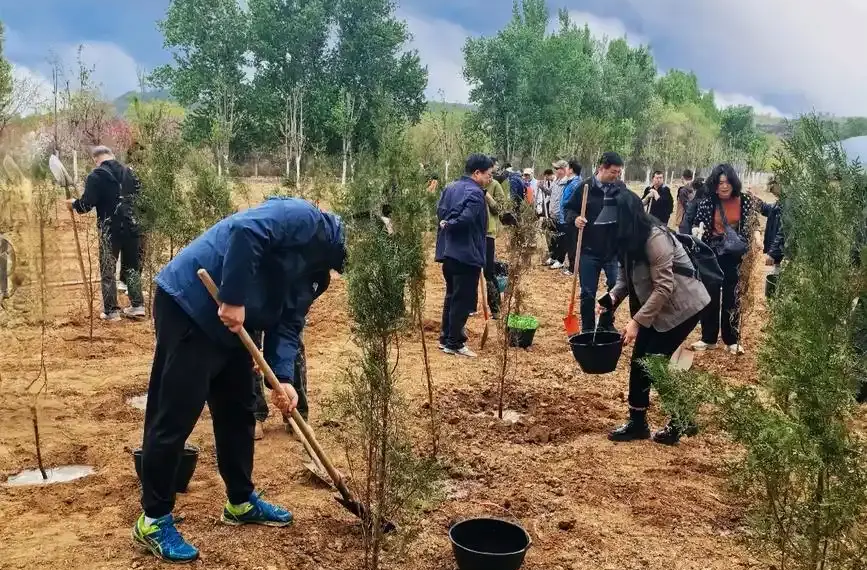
{"x": 265, "y": 261}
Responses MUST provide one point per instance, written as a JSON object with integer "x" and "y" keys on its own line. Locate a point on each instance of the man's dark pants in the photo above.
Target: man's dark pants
{"x": 190, "y": 369}
{"x": 462, "y": 295}
{"x": 128, "y": 247}
{"x": 490, "y": 276}
{"x": 589, "y": 269}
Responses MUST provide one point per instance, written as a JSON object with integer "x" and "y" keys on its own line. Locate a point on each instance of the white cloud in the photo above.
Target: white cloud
{"x": 602, "y": 28}
{"x": 440, "y": 44}
{"x": 798, "y": 51}
{"x": 34, "y": 90}
{"x": 114, "y": 70}
{"x": 724, "y": 100}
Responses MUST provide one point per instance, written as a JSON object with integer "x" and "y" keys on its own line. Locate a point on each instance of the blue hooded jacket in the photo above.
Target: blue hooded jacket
{"x": 462, "y": 207}
{"x": 267, "y": 259}
{"x": 517, "y": 189}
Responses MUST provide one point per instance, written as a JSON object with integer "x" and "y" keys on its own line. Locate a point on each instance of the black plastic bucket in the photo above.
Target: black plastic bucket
{"x": 599, "y": 357}
{"x": 522, "y": 338}
{"x": 186, "y": 468}
{"x": 771, "y": 285}
{"x": 489, "y": 544}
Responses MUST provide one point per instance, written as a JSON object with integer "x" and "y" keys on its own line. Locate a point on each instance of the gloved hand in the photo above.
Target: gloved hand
{"x": 698, "y": 232}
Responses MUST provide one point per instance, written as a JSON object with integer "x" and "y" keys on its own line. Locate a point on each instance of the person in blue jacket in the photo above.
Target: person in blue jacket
{"x": 265, "y": 261}
{"x": 463, "y": 225}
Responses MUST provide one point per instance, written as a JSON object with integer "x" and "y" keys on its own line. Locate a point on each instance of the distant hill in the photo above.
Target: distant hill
{"x": 123, "y": 102}
{"x": 847, "y": 127}
{"x": 437, "y": 106}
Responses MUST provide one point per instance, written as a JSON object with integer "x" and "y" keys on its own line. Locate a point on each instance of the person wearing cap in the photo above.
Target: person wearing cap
{"x": 598, "y": 252}
{"x": 558, "y": 253}
{"x": 530, "y": 182}
{"x": 265, "y": 261}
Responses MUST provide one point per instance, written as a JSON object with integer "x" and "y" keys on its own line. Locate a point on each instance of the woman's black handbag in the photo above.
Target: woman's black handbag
{"x": 731, "y": 242}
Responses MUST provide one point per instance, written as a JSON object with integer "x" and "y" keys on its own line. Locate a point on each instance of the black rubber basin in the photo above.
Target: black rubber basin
{"x": 599, "y": 355}
{"x": 489, "y": 544}
{"x": 186, "y": 468}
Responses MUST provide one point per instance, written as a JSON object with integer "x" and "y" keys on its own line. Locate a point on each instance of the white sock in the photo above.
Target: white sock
{"x": 149, "y": 521}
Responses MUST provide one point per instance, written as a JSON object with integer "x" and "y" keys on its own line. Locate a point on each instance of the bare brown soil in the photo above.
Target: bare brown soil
{"x": 588, "y": 503}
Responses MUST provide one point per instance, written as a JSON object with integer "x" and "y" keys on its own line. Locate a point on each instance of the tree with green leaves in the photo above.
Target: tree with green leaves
{"x": 804, "y": 468}
{"x": 5, "y": 87}
{"x": 288, "y": 42}
{"x": 369, "y": 68}
{"x": 208, "y": 41}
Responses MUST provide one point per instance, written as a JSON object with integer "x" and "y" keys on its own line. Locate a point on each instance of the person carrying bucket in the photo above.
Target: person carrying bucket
{"x": 666, "y": 299}
{"x": 265, "y": 261}
{"x": 597, "y": 246}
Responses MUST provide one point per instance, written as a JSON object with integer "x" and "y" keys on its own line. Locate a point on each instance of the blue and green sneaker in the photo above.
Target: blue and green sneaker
{"x": 164, "y": 540}
{"x": 256, "y": 511}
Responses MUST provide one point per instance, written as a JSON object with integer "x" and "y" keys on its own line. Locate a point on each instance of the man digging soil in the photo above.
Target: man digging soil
{"x": 266, "y": 260}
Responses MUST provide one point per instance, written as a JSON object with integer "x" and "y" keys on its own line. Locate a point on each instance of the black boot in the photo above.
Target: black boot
{"x": 635, "y": 429}
{"x": 671, "y": 434}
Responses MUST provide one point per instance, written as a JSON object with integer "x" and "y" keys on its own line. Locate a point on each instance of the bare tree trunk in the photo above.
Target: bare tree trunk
{"x": 446, "y": 172}
{"x": 345, "y": 159}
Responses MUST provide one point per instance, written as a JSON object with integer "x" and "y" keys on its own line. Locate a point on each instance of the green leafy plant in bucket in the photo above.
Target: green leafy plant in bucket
{"x": 522, "y": 322}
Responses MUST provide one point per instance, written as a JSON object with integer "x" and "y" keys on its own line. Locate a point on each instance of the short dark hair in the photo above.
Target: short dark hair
{"x": 575, "y": 166}
{"x": 687, "y": 174}
{"x": 507, "y": 166}
{"x": 476, "y": 162}
{"x": 548, "y": 172}
{"x": 655, "y": 172}
{"x": 609, "y": 159}
{"x": 728, "y": 171}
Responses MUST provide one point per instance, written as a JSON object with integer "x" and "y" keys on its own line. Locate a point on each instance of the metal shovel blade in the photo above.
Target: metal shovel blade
{"x": 681, "y": 359}
{"x": 358, "y": 510}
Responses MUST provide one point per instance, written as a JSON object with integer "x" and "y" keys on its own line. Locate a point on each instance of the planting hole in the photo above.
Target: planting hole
{"x": 62, "y": 474}
{"x": 139, "y": 402}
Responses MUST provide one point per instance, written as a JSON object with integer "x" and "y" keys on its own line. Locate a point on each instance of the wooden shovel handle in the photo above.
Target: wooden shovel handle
{"x": 482, "y": 284}
{"x": 585, "y": 191}
{"x": 306, "y": 432}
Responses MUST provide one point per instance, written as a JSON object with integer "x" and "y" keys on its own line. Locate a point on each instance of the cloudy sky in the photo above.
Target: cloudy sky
{"x": 781, "y": 56}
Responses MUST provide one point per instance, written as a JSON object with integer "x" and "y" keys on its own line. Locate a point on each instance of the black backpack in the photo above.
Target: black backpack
{"x": 122, "y": 221}
{"x": 705, "y": 266}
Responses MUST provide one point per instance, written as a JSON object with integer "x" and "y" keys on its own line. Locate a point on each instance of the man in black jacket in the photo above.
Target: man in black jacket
{"x": 597, "y": 245}
{"x": 658, "y": 196}
{"x": 111, "y": 188}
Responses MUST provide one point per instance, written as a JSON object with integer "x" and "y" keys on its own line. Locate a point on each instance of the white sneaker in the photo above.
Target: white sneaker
{"x": 735, "y": 349}
{"x": 134, "y": 312}
{"x": 111, "y": 317}
{"x": 702, "y": 346}
{"x": 556, "y": 265}
{"x": 548, "y": 262}
{"x": 463, "y": 351}
{"x": 441, "y": 346}
{"x": 121, "y": 287}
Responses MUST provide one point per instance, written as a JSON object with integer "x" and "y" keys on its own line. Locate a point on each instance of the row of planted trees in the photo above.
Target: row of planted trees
{"x": 803, "y": 468}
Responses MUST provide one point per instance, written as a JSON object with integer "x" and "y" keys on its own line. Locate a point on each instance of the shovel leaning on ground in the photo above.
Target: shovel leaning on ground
{"x": 570, "y": 322}
{"x": 482, "y": 286}
{"x": 346, "y": 498}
